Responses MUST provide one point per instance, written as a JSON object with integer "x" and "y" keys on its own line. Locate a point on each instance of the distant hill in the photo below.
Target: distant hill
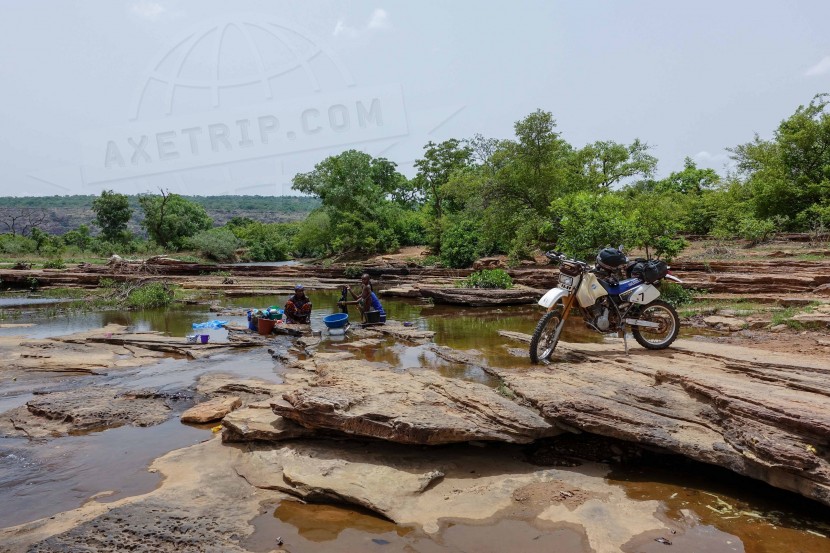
{"x": 68, "y": 212}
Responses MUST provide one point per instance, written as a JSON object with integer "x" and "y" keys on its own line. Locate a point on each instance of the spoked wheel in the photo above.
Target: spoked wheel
{"x": 545, "y": 338}
{"x": 668, "y": 323}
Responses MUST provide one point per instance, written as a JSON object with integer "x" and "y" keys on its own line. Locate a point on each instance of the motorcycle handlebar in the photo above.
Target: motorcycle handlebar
{"x": 559, "y": 256}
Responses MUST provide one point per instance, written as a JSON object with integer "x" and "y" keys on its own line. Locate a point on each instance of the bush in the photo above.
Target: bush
{"x": 265, "y": 241}
{"x": 675, "y": 294}
{"x": 313, "y": 238}
{"x": 459, "y": 244}
{"x": 755, "y": 231}
{"x": 153, "y": 294}
{"x": 56, "y": 263}
{"x": 668, "y": 248}
{"x": 16, "y": 245}
{"x": 218, "y": 244}
{"x": 488, "y": 278}
{"x": 353, "y": 271}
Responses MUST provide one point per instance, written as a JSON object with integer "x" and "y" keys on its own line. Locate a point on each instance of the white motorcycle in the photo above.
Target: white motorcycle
{"x": 607, "y": 303}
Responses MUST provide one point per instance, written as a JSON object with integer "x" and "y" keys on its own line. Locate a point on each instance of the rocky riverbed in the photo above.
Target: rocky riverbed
{"x": 436, "y": 436}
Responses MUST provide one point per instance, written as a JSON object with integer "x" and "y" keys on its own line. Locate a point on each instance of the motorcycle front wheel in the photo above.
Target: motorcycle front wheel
{"x": 544, "y": 338}
{"x": 668, "y": 323}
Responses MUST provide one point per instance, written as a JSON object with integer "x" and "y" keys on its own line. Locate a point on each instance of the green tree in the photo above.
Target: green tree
{"x": 112, "y": 213}
{"x": 691, "y": 180}
{"x": 607, "y": 163}
{"x": 790, "y": 173}
{"x": 170, "y": 219}
{"x": 440, "y": 161}
{"x": 80, "y": 238}
{"x": 361, "y": 196}
{"x": 589, "y": 221}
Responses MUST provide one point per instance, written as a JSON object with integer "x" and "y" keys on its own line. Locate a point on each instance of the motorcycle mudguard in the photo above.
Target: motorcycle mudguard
{"x": 643, "y": 294}
{"x": 553, "y": 295}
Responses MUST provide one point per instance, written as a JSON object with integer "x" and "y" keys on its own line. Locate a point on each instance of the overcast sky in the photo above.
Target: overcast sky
{"x": 212, "y": 97}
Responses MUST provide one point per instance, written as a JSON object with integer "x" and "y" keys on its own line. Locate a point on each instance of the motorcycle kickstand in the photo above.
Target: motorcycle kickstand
{"x": 625, "y": 339}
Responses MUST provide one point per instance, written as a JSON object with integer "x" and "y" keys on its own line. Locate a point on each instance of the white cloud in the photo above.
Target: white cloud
{"x": 713, "y": 161}
{"x": 820, "y": 68}
{"x": 148, "y": 10}
{"x": 377, "y": 21}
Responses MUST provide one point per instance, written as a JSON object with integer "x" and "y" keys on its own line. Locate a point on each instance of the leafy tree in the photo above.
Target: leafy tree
{"x": 112, "y": 213}
{"x": 691, "y": 180}
{"x": 440, "y": 161}
{"x": 589, "y": 221}
{"x": 170, "y": 219}
{"x": 358, "y": 193}
{"x": 606, "y": 163}
{"x": 656, "y": 224}
{"x": 80, "y": 238}
{"x": 791, "y": 172}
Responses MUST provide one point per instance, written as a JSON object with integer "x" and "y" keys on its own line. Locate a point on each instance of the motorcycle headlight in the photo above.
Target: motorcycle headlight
{"x": 566, "y": 280}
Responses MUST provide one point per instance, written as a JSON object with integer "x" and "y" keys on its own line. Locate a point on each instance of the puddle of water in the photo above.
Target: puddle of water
{"x": 39, "y": 480}
{"x": 311, "y": 528}
{"x": 764, "y": 518}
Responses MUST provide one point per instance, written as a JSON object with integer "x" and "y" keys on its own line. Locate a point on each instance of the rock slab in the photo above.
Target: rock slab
{"x": 415, "y": 407}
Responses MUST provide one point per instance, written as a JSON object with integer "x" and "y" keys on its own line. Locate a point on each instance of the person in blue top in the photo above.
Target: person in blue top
{"x": 367, "y": 301}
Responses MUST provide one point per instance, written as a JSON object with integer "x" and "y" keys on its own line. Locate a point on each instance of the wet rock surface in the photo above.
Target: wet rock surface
{"x": 86, "y": 409}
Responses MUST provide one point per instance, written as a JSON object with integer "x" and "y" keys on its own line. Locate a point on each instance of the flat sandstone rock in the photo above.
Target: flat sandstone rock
{"x": 211, "y": 410}
{"x": 414, "y": 407}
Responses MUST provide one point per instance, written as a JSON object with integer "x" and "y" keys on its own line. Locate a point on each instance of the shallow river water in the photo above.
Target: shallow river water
{"x": 40, "y": 479}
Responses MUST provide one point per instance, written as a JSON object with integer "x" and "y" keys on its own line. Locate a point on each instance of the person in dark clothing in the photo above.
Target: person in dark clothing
{"x": 298, "y": 307}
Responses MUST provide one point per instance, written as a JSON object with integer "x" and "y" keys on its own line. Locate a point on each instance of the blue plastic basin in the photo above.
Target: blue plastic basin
{"x": 338, "y": 320}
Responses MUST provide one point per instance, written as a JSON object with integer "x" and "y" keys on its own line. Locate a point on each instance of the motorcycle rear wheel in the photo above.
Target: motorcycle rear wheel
{"x": 661, "y": 337}
{"x": 542, "y": 343}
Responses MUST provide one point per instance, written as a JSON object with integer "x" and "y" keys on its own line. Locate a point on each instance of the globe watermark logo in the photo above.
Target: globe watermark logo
{"x": 233, "y": 93}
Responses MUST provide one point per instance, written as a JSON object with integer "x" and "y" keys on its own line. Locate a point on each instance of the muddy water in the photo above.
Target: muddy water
{"x": 332, "y": 528}
{"x": 764, "y": 519}
{"x": 41, "y": 479}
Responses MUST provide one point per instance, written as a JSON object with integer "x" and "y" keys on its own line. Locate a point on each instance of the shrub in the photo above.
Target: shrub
{"x": 266, "y": 241}
{"x": 16, "y": 244}
{"x": 488, "y": 278}
{"x": 756, "y": 230}
{"x": 153, "y": 294}
{"x": 675, "y": 294}
{"x": 105, "y": 282}
{"x": 313, "y": 239}
{"x": 56, "y": 263}
{"x": 353, "y": 271}
{"x": 459, "y": 244}
{"x": 218, "y": 244}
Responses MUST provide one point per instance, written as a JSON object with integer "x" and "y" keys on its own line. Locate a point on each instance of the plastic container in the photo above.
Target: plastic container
{"x": 266, "y": 326}
{"x": 337, "y": 320}
{"x": 274, "y": 313}
{"x": 192, "y": 338}
{"x": 204, "y": 338}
